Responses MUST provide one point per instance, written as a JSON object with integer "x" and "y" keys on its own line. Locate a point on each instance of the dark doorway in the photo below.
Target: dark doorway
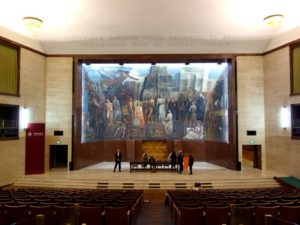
{"x": 251, "y": 156}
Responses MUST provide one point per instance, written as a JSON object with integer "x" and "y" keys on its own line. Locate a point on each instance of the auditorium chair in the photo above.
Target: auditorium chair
{"x": 116, "y": 215}
{"x": 242, "y": 215}
{"x": 190, "y": 216}
{"x": 261, "y": 211}
{"x": 3, "y": 217}
{"x": 18, "y": 214}
{"x": 217, "y": 215}
{"x": 45, "y": 210}
{"x": 90, "y": 215}
{"x": 64, "y": 215}
{"x": 290, "y": 213}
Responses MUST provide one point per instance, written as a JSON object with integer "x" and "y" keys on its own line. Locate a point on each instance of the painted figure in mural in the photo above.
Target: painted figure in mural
{"x": 161, "y": 109}
{"x": 195, "y": 133}
{"x": 139, "y": 114}
{"x": 200, "y": 103}
{"x": 187, "y": 105}
{"x": 181, "y": 106}
{"x": 192, "y": 112}
{"x": 131, "y": 108}
{"x": 172, "y": 105}
{"x": 109, "y": 108}
{"x": 168, "y": 123}
{"x": 130, "y": 83}
{"x": 116, "y": 109}
{"x": 151, "y": 108}
{"x": 123, "y": 129}
{"x": 145, "y": 109}
{"x": 99, "y": 116}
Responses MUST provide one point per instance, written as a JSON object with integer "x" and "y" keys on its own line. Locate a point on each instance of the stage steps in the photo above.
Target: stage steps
{"x": 146, "y": 184}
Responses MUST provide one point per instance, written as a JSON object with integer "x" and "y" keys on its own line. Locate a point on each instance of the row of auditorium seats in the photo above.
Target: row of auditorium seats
{"x": 69, "y": 206}
{"x": 235, "y": 207}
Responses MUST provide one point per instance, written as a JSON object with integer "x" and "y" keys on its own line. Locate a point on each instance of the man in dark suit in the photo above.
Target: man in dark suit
{"x": 118, "y": 158}
{"x": 191, "y": 163}
{"x": 180, "y": 161}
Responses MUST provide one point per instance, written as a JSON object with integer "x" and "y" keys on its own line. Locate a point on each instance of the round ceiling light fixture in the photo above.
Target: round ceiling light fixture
{"x": 32, "y": 22}
{"x": 273, "y": 20}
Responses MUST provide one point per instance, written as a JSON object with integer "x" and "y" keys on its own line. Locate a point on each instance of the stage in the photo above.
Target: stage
{"x": 101, "y": 175}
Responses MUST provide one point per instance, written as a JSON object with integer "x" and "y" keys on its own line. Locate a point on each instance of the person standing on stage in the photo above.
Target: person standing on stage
{"x": 152, "y": 164}
{"x": 173, "y": 159}
{"x": 118, "y": 159}
{"x": 180, "y": 161}
{"x": 145, "y": 159}
{"x": 191, "y": 163}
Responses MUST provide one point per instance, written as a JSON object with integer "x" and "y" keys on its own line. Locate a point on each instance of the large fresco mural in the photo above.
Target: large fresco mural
{"x": 154, "y": 102}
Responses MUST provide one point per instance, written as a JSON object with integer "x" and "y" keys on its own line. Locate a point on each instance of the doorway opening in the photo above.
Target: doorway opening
{"x": 251, "y": 156}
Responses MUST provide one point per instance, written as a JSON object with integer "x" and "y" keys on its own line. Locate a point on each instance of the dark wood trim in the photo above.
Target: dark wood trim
{"x": 151, "y": 58}
{"x": 21, "y": 46}
{"x": 207, "y": 55}
{"x": 18, "y": 71}
{"x": 77, "y": 79}
{"x": 247, "y": 54}
{"x": 17, "y": 48}
{"x": 232, "y": 116}
{"x": 291, "y": 70}
{"x": 60, "y": 55}
{"x": 13, "y": 95}
{"x": 291, "y": 47}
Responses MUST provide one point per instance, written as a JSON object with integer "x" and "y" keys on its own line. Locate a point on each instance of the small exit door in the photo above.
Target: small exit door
{"x": 251, "y": 156}
{"x": 35, "y": 149}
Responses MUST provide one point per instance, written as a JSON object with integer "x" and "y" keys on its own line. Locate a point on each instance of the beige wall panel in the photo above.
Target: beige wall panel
{"x": 59, "y": 102}
{"x": 32, "y": 91}
{"x": 282, "y": 152}
{"x": 250, "y": 102}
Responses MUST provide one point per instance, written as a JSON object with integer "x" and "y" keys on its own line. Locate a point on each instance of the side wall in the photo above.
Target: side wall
{"x": 59, "y": 76}
{"x": 251, "y": 110}
{"x": 282, "y": 152}
{"x": 32, "y": 91}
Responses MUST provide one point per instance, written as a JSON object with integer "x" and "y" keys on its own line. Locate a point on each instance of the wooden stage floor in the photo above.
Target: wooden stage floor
{"x": 102, "y": 176}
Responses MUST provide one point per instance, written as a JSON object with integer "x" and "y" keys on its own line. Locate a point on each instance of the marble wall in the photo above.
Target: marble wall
{"x": 250, "y": 98}
{"x": 282, "y": 152}
{"x": 59, "y": 77}
{"x": 32, "y": 95}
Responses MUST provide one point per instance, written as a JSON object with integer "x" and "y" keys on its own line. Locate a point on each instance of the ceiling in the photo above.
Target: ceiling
{"x": 151, "y": 26}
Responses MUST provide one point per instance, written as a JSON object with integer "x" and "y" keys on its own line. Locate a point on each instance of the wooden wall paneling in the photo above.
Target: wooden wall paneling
{"x": 130, "y": 150}
{"x": 196, "y": 148}
{"x": 138, "y": 150}
{"x": 217, "y": 153}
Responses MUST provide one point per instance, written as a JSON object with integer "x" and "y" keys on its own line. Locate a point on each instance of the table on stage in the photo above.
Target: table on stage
{"x": 157, "y": 166}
